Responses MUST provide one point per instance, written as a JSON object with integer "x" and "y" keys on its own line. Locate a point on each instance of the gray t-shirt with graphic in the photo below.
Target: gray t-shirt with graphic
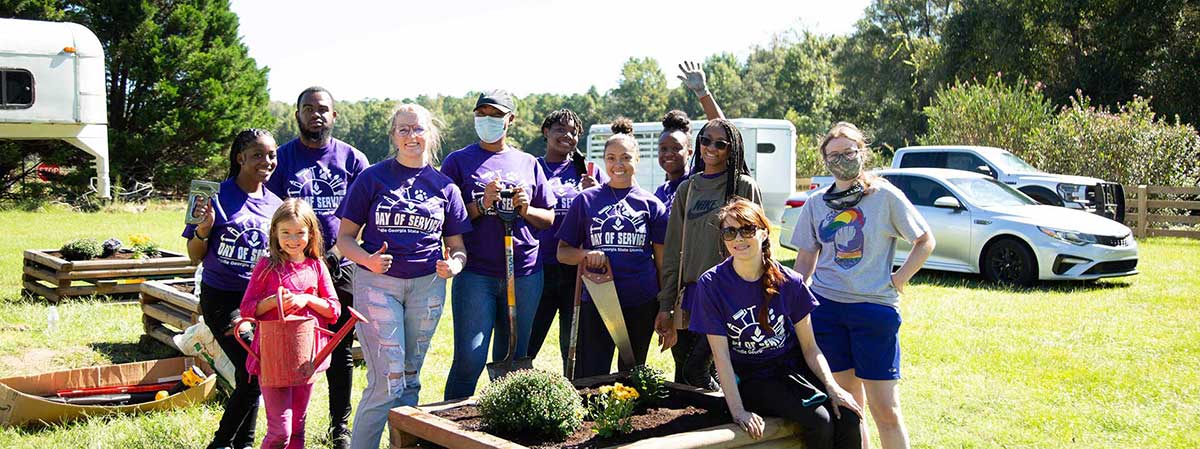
{"x": 857, "y": 244}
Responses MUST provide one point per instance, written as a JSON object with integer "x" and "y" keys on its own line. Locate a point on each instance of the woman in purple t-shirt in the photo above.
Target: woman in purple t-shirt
{"x": 621, "y": 224}
{"x": 566, "y": 176}
{"x": 230, "y": 240}
{"x": 755, "y": 313}
{"x": 406, "y": 210}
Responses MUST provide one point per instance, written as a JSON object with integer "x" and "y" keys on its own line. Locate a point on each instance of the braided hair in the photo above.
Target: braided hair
{"x": 243, "y": 140}
{"x": 746, "y": 212}
{"x": 677, "y": 120}
{"x": 737, "y": 157}
{"x": 561, "y": 116}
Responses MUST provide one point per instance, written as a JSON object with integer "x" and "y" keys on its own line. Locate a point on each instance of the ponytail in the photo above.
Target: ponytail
{"x": 771, "y": 281}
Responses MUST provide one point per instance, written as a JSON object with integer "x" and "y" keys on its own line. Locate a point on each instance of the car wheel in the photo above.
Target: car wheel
{"x": 1009, "y": 262}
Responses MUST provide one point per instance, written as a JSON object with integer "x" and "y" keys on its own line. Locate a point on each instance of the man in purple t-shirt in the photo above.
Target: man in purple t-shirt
{"x": 319, "y": 169}
{"x": 482, "y": 170}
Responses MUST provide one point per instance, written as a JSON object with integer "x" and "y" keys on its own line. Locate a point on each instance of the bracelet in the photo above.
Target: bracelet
{"x": 197, "y": 236}
{"x": 485, "y": 211}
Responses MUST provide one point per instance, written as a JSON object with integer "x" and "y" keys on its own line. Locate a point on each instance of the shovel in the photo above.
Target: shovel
{"x": 603, "y": 291}
{"x": 499, "y": 369}
{"x": 570, "y": 370}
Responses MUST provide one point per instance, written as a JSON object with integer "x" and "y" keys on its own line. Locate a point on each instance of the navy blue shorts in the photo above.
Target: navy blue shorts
{"x": 862, "y": 336}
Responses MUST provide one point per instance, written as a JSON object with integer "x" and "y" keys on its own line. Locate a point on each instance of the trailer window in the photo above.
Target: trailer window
{"x": 16, "y": 89}
{"x": 766, "y": 148}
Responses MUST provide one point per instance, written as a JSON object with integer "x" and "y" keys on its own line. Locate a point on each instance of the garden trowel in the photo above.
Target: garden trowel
{"x": 603, "y": 292}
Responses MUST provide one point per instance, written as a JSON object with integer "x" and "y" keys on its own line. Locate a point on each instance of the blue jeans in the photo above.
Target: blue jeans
{"x": 480, "y": 305}
{"x": 402, "y": 316}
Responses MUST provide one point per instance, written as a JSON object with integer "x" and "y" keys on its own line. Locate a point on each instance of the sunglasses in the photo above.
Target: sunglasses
{"x": 722, "y": 145}
{"x": 729, "y": 233}
{"x": 407, "y": 131}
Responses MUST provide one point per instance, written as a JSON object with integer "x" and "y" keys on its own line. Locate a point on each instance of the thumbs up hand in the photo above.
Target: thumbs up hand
{"x": 379, "y": 261}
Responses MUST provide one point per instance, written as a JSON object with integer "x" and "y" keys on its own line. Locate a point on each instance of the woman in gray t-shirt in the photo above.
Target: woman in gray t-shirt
{"x": 846, "y": 240}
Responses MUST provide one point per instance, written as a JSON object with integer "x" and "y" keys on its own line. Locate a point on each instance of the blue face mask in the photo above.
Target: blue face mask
{"x": 489, "y": 129}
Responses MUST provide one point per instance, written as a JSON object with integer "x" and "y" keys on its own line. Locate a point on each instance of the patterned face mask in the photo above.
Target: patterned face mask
{"x": 845, "y": 166}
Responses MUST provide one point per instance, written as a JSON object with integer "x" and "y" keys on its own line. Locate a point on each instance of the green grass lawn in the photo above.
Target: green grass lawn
{"x": 1114, "y": 363}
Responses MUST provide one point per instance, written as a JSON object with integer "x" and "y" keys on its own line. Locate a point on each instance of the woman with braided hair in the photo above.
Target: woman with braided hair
{"x": 755, "y": 315}
{"x": 566, "y": 176}
{"x": 692, "y": 247}
{"x": 237, "y": 220}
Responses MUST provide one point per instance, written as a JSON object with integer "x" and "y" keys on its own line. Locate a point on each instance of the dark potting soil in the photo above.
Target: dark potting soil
{"x": 676, "y": 414}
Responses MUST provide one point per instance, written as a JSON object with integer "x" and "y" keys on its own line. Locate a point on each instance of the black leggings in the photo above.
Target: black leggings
{"x": 777, "y": 395}
{"x": 594, "y": 350}
{"x": 558, "y": 296}
{"x": 693, "y": 361}
{"x": 236, "y": 428}
{"x": 340, "y": 374}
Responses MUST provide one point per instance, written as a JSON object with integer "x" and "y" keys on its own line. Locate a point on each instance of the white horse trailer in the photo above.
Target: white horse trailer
{"x": 770, "y": 153}
{"x": 52, "y": 87}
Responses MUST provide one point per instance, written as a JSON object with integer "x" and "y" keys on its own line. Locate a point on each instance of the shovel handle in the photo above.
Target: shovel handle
{"x": 238, "y": 323}
{"x": 570, "y": 369}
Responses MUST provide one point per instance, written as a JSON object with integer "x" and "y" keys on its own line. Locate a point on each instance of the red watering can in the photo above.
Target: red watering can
{"x": 287, "y": 347}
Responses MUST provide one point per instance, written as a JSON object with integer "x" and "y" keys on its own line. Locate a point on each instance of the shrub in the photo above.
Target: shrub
{"x": 81, "y": 249}
{"x": 533, "y": 401}
{"x": 1130, "y": 146}
{"x": 991, "y": 113}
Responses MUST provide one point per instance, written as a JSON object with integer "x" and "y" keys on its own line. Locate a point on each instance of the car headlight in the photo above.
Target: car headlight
{"x": 1072, "y": 237}
{"x": 1075, "y": 193}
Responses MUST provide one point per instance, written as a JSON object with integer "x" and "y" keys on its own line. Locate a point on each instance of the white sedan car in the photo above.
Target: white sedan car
{"x": 984, "y": 226}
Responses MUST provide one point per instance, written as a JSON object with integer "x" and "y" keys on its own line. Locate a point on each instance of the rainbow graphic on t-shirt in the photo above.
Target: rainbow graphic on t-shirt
{"x": 844, "y": 230}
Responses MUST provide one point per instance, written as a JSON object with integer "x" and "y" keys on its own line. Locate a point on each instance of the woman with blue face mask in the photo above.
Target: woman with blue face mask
{"x": 483, "y": 171}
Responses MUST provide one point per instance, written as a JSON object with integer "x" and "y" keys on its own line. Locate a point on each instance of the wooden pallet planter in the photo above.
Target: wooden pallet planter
{"x": 418, "y": 427}
{"x": 47, "y": 275}
{"x": 169, "y": 308}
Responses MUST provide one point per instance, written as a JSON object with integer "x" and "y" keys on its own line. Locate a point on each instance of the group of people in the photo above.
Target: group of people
{"x": 313, "y": 228}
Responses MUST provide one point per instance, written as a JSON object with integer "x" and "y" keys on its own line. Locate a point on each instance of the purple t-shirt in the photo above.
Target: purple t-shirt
{"x": 472, "y": 168}
{"x": 666, "y": 191}
{"x": 564, "y": 181}
{"x": 624, "y": 224}
{"x": 725, "y": 304}
{"x": 319, "y": 176}
{"x": 409, "y": 208}
{"x": 239, "y": 235}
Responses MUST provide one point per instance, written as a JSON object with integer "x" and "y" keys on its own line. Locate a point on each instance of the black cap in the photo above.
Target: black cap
{"x": 498, "y": 98}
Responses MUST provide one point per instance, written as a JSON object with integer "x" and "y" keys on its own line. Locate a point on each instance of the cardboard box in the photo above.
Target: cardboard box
{"x": 21, "y": 401}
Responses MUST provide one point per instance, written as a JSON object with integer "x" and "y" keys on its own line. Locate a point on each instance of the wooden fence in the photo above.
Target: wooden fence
{"x": 1140, "y": 202}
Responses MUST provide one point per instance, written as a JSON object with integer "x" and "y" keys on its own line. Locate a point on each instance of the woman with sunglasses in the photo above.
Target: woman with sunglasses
{"x": 675, "y": 141}
{"x": 755, "y": 315}
{"x": 692, "y": 247}
{"x": 845, "y": 243}
{"x": 621, "y": 225}
{"x": 407, "y": 210}
{"x": 566, "y": 175}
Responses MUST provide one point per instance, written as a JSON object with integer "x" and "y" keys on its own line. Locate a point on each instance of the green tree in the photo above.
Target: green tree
{"x": 1108, "y": 50}
{"x": 641, "y": 94}
{"x": 180, "y": 82}
{"x": 890, "y": 66}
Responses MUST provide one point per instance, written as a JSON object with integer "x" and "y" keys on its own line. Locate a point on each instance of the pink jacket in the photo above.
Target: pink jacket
{"x": 310, "y": 276}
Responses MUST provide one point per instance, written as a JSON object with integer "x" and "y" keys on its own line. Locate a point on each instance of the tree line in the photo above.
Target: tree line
{"x": 181, "y": 82}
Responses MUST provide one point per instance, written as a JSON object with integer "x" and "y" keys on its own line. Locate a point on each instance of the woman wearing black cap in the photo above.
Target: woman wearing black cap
{"x": 482, "y": 171}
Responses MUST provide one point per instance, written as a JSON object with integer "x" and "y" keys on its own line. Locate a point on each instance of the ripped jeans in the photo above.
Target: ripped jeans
{"x": 403, "y": 315}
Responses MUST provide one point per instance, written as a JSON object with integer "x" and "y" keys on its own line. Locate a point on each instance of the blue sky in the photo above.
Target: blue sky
{"x": 388, "y": 49}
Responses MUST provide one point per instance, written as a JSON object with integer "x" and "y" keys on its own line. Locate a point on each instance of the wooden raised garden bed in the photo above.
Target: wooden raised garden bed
{"x": 688, "y": 418}
{"x": 169, "y": 307}
{"x": 47, "y": 274}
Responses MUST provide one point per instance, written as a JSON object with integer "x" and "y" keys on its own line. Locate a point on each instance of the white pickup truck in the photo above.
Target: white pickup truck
{"x": 1093, "y": 195}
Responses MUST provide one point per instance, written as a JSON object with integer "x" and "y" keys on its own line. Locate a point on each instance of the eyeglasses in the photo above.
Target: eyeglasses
{"x": 849, "y": 154}
{"x": 407, "y": 131}
{"x": 722, "y": 145}
{"x": 729, "y": 232}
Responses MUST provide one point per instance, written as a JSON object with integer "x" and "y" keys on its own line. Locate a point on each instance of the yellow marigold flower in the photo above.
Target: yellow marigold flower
{"x": 139, "y": 239}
